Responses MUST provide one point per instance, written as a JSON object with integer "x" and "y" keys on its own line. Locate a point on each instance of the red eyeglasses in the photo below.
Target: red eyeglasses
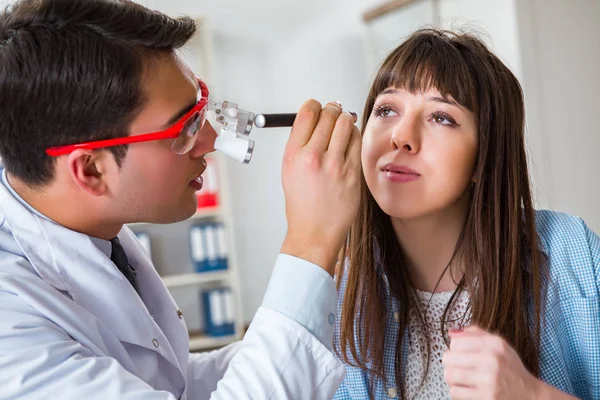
{"x": 185, "y": 132}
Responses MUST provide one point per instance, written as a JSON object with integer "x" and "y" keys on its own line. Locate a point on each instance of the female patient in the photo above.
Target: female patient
{"x": 454, "y": 286}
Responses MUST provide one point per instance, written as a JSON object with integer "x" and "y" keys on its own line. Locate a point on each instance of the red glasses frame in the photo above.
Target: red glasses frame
{"x": 170, "y": 133}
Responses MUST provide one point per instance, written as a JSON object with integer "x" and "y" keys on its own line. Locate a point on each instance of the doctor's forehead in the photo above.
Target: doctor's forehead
{"x": 169, "y": 89}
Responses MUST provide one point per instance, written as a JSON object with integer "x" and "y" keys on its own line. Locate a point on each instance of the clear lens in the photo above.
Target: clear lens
{"x": 189, "y": 133}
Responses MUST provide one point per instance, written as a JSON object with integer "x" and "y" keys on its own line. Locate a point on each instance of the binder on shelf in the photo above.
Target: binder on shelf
{"x": 198, "y": 249}
{"x": 222, "y": 249}
{"x": 208, "y": 244}
{"x": 211, "y": 247}
{"x": 144, "y": 239}
{"x": 219, "y": 315}
{"x": 208, "y": 196}
{"x": 230, "y": 314}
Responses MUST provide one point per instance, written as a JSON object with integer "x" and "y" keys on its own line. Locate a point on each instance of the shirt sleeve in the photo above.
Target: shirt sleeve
{"x": 305, "y": 293}
{"x": 286, "y": 353}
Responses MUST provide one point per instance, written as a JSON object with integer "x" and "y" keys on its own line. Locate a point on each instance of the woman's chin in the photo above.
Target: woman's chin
{"x": 406, "y": 210}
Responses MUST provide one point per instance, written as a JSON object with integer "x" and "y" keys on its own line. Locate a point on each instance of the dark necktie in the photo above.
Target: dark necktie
{"x": 119, "y": 257}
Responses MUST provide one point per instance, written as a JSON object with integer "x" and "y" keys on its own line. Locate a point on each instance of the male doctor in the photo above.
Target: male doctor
{"x": 103, "y": 125}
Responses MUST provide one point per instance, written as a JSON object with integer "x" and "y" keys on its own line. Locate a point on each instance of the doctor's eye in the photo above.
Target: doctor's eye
{"x": 384, "y": 110}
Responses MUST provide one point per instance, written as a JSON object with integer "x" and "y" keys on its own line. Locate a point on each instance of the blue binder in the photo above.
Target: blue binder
{"x": 198, "y": 248}
{"x": 219, "y": 318}
{"x": 222, "y": 249}
{"x": 210, "y": 235}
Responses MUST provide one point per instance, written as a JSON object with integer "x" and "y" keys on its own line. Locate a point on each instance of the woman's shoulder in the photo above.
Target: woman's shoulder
{"x": 571, "y": 248}
{"x": 560, "y": 231}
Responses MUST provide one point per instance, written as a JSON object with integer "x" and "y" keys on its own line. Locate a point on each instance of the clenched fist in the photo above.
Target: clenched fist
{"x": 480, "y": 366}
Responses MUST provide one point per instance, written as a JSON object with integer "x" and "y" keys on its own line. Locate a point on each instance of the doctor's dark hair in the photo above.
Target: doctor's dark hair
{"x": 71, "y": 71}
{"x": 502, "y": 267}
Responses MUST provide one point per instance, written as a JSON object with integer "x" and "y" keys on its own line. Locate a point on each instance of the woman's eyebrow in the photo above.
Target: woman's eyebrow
{"x": 444, "y": 100}
{"x": 388, "y": 91}
{"x": 438, "y": 99}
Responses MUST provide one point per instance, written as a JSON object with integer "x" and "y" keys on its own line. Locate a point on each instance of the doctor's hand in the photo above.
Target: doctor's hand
{"x": 321, "y": 182}
{"x": 481, "y": 365}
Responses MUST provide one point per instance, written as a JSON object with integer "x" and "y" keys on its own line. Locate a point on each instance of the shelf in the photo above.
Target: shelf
{"x": 208, "y": 212}
{"x": 199, "y": 341}
{"x": 195, "y": 278}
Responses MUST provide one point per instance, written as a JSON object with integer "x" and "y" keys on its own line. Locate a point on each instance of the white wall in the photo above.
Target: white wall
{"x": 495, "y": 19}
{"x": 561, "y": 62}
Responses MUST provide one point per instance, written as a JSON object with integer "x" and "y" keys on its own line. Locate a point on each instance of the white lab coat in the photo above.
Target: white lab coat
{"x": 73, "y": 328}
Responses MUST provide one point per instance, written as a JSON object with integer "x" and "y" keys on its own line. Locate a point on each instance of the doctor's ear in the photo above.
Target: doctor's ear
{"x": 89, "y": 169}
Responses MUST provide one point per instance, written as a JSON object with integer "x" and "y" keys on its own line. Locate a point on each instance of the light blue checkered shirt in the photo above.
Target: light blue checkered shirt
{"x": 570, "y": 338}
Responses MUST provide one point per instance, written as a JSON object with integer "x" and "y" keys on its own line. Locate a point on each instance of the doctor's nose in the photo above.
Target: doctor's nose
{"x": 205, "y": 142}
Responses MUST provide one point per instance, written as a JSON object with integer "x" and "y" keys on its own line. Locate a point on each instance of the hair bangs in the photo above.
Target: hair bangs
{"x": 427, "y": 62}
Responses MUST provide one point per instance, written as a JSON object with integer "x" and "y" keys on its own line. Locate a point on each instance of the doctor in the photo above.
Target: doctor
{"x": 103, "y": 125}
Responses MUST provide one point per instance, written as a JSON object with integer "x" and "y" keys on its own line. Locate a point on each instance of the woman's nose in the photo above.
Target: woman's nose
{"x": 405, "y": 134}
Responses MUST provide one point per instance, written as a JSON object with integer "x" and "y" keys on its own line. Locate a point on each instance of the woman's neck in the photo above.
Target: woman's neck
{"x": 429, "y": 243}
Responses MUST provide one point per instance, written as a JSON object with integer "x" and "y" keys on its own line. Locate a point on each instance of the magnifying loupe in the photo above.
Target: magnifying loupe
{"x": 236, "y": 124}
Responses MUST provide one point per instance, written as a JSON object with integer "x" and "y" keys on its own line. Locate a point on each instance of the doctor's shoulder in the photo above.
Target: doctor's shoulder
{"x": 17, "y": 274}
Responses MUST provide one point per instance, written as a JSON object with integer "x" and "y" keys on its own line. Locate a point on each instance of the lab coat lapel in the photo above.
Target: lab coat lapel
{"x": 157, "y": 298}
{"x": 70, "y": 262}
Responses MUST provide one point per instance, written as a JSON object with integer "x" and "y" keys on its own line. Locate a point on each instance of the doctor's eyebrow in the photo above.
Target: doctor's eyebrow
{"x": 185, "y": 109}
{"x": 179, "y": 114}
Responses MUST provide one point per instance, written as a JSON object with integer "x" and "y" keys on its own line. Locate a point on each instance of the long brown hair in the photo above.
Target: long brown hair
{"x": 498, "y": 246}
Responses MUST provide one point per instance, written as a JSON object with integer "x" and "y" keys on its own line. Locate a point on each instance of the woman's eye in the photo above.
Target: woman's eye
{"x": 443, "y": 119}
{"x": 384, "y": 111}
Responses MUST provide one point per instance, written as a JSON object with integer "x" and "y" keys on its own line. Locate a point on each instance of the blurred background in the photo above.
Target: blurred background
{"x": 272, "y": 55}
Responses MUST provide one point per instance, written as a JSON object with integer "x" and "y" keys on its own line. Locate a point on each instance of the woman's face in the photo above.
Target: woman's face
{"x": 419, "y": 152}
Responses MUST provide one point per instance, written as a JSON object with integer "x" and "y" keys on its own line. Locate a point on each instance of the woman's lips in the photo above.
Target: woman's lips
{"x": 400, "y": 173}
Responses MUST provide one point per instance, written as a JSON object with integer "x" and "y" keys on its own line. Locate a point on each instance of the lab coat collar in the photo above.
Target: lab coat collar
{"x": 70, "y": 262}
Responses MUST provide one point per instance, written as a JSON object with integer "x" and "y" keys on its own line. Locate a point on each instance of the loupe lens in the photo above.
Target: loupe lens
{"x": 189, "y": 133}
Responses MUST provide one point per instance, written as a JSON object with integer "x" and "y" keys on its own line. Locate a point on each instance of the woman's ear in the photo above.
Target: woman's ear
{"x": 88, "y": 169}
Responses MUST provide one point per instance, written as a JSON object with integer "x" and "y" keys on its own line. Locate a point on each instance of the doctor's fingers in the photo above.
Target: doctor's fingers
{"x": 341, "y": 135}
{"x": 319, "y": 141}
{"x": 353, "y": 151}
{"x": 304, "y": 125}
